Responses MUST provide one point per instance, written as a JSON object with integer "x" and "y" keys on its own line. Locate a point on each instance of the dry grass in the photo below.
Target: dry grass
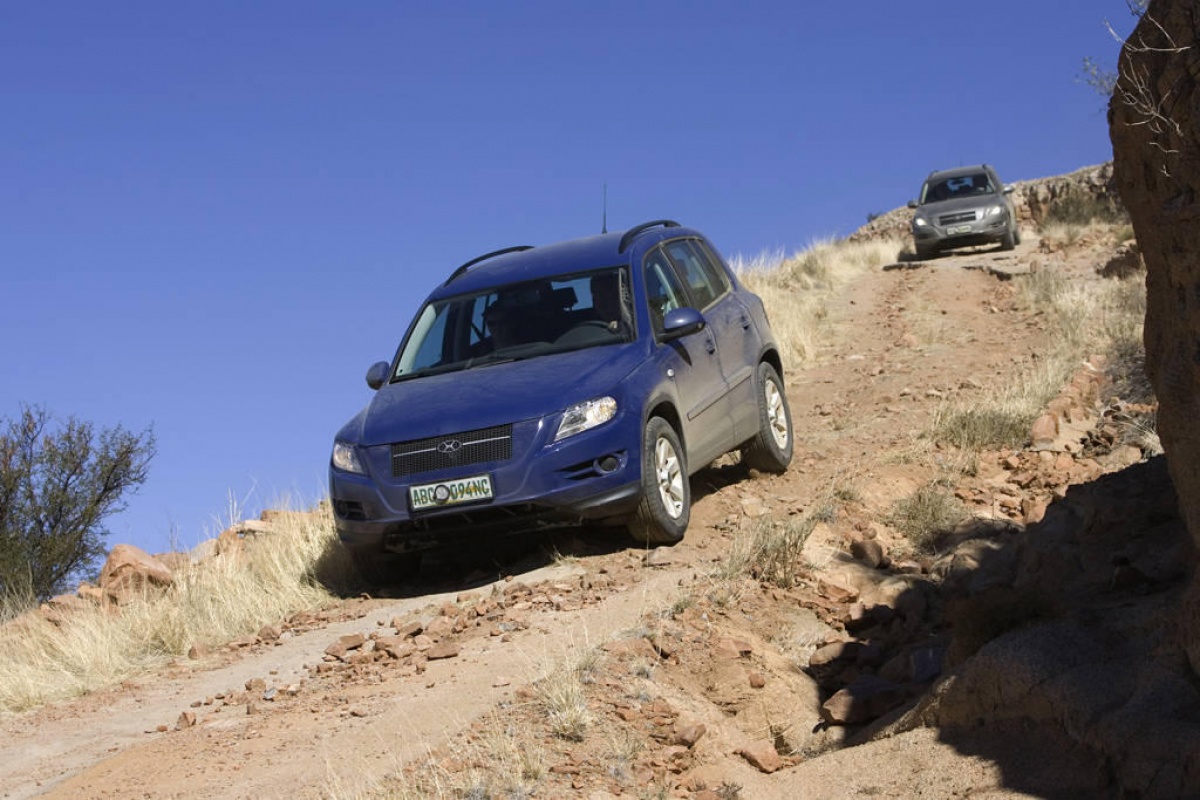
{"x": 1086, "y": 316}
{"x": 1082, "y": 209}
{"x": 926, "y": 516}
{"x": 562, "y": 693}
{"x": 496, "y": 759}
{"x": 796, "y": 289}
{"x": 211, "y": 603}
{"x": 770, "y": 550}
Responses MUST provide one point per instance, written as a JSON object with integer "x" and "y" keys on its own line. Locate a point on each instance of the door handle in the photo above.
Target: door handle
{"x": 710, "y": 344}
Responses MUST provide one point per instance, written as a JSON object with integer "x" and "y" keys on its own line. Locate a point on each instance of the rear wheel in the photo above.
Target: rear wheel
{"x": 662, "y": 517}
{"x": 771, "y": 449}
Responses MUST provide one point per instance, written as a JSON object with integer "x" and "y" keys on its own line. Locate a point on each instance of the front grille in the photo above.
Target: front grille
{"x": 453, "y": 450}
{"x": 954, "y": 219}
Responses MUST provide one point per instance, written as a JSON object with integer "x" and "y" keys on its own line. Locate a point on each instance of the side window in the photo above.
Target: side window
{"x": 712, "y": 267}
{"x": 704, "y": 286}
{"x": 663, "y": 290}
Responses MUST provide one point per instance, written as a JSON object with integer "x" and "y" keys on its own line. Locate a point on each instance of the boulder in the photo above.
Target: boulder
{"x": 1154, "y": 126}
{"x": 130, "y": 572}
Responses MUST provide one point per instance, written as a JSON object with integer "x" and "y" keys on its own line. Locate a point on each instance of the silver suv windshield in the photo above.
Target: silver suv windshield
{"x": 959, "y": 186}
{"x": 518, "y": 321}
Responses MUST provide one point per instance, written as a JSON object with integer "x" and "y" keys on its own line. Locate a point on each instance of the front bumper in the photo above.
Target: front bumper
{"x": 592, "y": 475}
{"x": 988, "y": 230}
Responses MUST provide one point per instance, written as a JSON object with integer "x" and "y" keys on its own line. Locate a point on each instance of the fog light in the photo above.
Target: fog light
{"x": 607, "y": 464}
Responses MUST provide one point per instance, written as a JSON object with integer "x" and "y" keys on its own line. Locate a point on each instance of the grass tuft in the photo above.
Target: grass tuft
{"x": 926, "y": 516}
{"x": 771, "y": 549}
{"x": 563, "y": 695}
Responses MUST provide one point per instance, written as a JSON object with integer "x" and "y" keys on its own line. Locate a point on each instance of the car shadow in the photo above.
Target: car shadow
{"x": 482, "y": 563}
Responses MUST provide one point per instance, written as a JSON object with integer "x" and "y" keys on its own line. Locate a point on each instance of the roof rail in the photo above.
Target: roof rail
{"x": 485, "y": 257}
{"x": 632, "y": 233}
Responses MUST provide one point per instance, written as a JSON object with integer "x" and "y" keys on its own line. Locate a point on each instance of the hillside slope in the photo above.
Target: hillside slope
{"x": 617, "y": 671}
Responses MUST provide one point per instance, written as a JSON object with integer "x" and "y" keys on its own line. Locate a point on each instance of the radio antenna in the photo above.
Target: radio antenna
{"x": 604, "y": 219}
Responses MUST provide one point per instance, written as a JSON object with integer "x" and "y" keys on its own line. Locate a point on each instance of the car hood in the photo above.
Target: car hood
{"x": 959, "y": 205}
{"x": 491, "y": 395}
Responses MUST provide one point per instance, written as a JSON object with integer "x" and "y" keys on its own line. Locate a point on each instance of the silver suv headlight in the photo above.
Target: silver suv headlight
{"x": 992, "y": 211}
{"x": 919, "y": 222}
{"x": 345, "y": 458}
{"x": 585, "y": 416}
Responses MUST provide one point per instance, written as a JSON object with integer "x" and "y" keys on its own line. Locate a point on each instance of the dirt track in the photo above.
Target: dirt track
{"x": 903, "y": 341}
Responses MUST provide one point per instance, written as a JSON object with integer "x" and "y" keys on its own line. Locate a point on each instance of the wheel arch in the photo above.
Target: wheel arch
{"x": 668, "y": 412}
{"x": 771, "y": 356}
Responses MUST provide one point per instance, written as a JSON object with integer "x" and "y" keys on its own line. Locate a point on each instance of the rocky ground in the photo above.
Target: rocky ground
{"x": 877, "y": 671}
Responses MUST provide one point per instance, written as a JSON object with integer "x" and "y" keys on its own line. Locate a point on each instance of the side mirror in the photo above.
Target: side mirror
{"x": 912, "y": 203}
{"x": 682, "y": 322}
{"x": 1008, "y": 190}
{"x": 377, "y": 375}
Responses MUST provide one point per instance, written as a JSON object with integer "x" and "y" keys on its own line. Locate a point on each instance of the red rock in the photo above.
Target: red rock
{"x": 442, "y": 650}
{"x": 688, "y": 735}
{"x": 763, "y": 756}
{"x": 130, "y": 571}
{"x": 1044, "y": 431}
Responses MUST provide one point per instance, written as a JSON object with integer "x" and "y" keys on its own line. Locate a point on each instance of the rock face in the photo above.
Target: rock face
{"x": 1154, "y": 125}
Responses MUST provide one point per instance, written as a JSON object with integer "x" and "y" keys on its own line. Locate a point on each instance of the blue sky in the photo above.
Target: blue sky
{"x": 214, "y": 216}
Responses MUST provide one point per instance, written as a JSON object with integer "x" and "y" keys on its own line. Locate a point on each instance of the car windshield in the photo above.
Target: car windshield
{"x": 958, "y": 186}
{"x": 518, "y": 321}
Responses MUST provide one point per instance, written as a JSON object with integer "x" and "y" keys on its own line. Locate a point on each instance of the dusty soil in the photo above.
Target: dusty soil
{"x": 699, "y": 688}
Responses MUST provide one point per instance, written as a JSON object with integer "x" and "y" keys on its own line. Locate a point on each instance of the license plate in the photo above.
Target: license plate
{"x": 449, "y": 493}
{"x": 953, "y": 229}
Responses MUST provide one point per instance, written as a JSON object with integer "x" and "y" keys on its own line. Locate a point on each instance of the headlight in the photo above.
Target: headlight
{"x": 345, "y": 458}
{"x": 992, "y": 211}
{"x": 584, "y": 416}
{"x": 919, "y": 222}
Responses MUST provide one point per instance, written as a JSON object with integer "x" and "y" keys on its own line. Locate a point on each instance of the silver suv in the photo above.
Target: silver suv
{"x": 963, "y": 207}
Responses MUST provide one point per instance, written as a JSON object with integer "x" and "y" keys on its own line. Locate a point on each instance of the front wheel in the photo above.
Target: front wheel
{"x": 771, "y": 448}
{"x": 662, "y": 516}
{"x": 1008, "y": 241}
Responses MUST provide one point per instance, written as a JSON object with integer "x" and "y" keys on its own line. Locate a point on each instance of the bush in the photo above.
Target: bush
{"x": 1083, "y": 208}
{"x": 56, "y": 489}
{"x": 926, "y": 516}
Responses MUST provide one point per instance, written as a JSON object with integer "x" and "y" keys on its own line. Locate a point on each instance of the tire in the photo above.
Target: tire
{"x": 662, "y": 516}
{"x": 379, "y": 569}
{"x": 1016, "y": 235}
{"x": 771, "y": 448}
{"x": 1008, "y": 241}
{"x": 927, "y": 253}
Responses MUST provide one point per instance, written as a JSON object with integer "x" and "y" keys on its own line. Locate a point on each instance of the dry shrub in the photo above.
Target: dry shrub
{"x": 562, "y": 693}
{"x": 1083, "y": 208}
{"x": 981, "y": 427}
{"x": 770, "y": 551}
{"x": 927, "y": 516}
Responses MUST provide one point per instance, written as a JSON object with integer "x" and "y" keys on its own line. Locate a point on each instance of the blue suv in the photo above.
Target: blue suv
{"x": 572, "y": 382}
